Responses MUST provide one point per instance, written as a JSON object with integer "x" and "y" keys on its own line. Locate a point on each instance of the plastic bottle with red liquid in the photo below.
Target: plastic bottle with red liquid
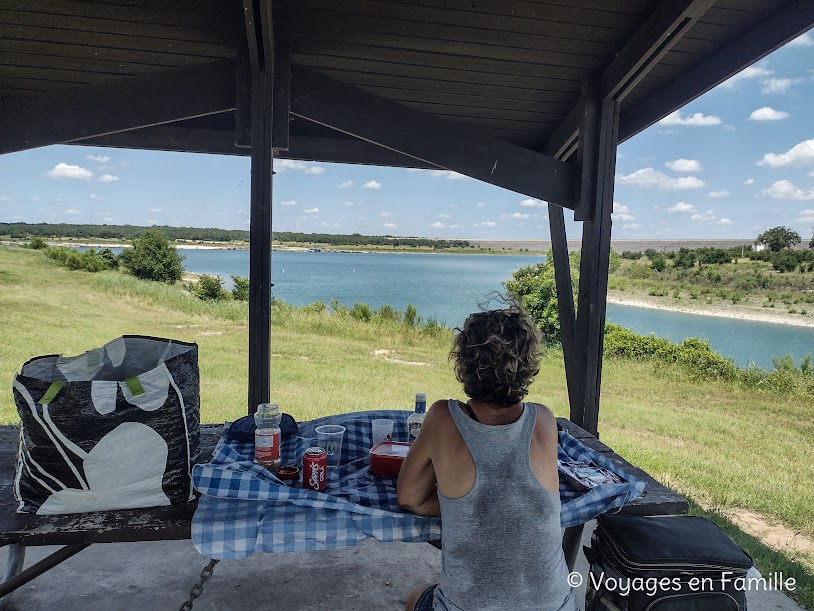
{"x": 267, "y": 436}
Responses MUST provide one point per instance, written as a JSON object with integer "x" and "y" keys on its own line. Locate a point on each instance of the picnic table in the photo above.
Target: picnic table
{"x": 77, "y": 531}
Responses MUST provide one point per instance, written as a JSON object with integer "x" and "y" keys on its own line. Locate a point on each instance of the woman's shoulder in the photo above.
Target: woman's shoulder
{"x": 546, "y": 421}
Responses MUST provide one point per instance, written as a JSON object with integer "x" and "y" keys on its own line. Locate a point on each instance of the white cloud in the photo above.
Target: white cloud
{"x": 3, "y": 198}
{"x": 311, "y": 211}
{"x": 438, "y": 225}
{"x": 64, "y": 170}
{"x": 480, "y": 205}
{"x": 155, "y": 210}
{"x": 448, "y": 174}
{"x": 684, "y": 165}
{"x": 283, "y": 165}
{"x": 345, "y": 185}
{"x": 779, "y": 85}
{"x": 710, "y": 218}
{"x": 386, "y": 214}
{"x": 108, "y": 178}
{"x": 533, "y": 203}
{"x": 784, "y": 189}
{"x": 72, "y": 211}
{"x": 324, "y": 224}
{"x": 806, "y": 216}
{"x": 804, "y": 40}
{"x": 648, "y": 177}
{"x": 621, "y": 213}
{"x": 98, "y": 158}
{"x": 389, "y": 226}
{"x": 695, "y": 120}
{"x": 746, "y": 74}
{"x": 351, "y": 204}
{"x": 799, "y": 154}
{"x": 485, "y": 224}
{"x": 749, "y": 181}
{"x": 632, "y": 226}
{"x": 456, "y": 226}
{"x": 519, "y": 215}
{"x": 719, "y": 194}
{"x": 445, "y": 216}
{"x": 108, "y": 219}
{"x": 372, "y": 184}
{"x": 95, "y": 196}
{"x": 288, "y": 202}
{"x": 681, "y": 207}
{"x": 767, "y": 113}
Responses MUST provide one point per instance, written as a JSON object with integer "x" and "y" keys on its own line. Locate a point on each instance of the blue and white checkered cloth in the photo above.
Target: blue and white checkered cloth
{"x": 244, "y": 508}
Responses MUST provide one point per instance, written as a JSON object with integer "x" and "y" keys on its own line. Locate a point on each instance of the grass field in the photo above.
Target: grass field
{"x": 727, "y": 448}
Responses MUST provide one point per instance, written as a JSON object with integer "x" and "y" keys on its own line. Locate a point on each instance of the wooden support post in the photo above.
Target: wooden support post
{"x": 565, "y": 300}
{"x": 602, "y": 133}
{"x": 261, "y": 56}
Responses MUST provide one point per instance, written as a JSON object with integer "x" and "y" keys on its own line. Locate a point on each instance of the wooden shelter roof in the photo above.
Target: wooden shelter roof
{"x": 509, "y": 69}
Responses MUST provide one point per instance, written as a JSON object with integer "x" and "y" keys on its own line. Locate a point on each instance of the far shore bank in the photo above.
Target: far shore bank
{"x": 715, "y": 310}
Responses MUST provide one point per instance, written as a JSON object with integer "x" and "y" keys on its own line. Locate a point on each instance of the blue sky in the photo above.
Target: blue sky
{"x": 732, "y": 163}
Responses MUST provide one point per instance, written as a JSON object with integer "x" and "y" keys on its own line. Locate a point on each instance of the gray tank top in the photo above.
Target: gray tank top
{"x": 502, "y": 543}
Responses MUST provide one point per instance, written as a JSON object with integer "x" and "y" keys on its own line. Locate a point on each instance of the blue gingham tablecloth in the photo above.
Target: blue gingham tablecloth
{"x": 244, "y": 508}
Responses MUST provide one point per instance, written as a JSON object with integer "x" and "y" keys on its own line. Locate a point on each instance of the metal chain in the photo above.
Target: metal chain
{"x": 197, "y": 589}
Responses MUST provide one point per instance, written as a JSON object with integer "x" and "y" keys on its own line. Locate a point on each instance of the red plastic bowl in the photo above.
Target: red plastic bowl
{"x": 386, "y": 457}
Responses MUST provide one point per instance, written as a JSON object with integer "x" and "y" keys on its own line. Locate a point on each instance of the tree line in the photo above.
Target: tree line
{"x": 21, "y": 231}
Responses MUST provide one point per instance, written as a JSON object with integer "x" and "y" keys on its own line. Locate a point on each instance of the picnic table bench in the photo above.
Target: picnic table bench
{"x": 77, "y": 531}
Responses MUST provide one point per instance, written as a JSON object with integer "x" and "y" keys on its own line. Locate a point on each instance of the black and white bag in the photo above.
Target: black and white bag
{"x": 114, "y": 428}
{"x": 669, "y": 563}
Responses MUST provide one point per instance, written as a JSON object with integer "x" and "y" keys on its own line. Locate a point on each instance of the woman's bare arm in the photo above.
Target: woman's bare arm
{"x": 417, "y": 490}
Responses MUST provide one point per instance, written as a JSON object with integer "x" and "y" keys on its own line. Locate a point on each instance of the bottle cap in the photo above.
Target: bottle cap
{"x": 420, "y": 403}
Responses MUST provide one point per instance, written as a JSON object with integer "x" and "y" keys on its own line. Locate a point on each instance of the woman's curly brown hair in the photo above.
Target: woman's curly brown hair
{"x": 496, "y": 356}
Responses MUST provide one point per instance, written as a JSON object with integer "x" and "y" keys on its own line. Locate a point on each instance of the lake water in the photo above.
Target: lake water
{"x": 449, "y": 287}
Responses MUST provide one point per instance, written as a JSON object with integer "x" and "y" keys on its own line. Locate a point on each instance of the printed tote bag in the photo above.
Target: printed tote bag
{"x": 114, "y": 428}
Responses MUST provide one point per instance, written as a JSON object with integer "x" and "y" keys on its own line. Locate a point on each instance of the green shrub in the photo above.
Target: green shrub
{"x": 240, "y": 288}
{"x": 110, "y": 258}
{"x": 318, "y": 307}
{"x": 388, "y": 312}
{"x": 535, "y": 288}
{"x": 658, "y": 263}
{"x": 361, "y": 311}
{"x": 411, "y": 317}
{"x": 152, "y": 257}
{"x": 36, "y": 243}
{"x": 210, "y": 288}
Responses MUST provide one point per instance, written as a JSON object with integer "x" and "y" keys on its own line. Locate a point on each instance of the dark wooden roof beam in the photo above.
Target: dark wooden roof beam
{"x": 353, "y": 111}
{"x": 660, "y": 31}
{"x": 89, "y": 111}
{"x": 783, "y": 26}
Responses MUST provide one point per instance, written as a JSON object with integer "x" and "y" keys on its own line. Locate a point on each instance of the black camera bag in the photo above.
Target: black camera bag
{"x": 666, "y": 563}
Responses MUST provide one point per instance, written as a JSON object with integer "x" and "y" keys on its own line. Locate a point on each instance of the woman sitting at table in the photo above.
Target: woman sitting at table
{"x": 489, "y": 468}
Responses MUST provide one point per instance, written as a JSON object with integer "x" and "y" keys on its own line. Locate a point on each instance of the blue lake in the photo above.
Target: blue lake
{"x": 449, "y": 287}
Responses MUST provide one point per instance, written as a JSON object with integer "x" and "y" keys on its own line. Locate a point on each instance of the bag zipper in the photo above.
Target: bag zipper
{"x": 632, "y": 564}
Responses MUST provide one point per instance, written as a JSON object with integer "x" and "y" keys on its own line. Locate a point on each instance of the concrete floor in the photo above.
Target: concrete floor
{"x": 145, "y": 576}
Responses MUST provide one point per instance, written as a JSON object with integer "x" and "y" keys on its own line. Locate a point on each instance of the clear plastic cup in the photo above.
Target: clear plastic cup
{"x": 330, "y": 436}
{"x": 380, "y": 429}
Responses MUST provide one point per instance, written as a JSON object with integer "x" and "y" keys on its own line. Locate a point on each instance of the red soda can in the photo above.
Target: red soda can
{"x": 314, "y": 469}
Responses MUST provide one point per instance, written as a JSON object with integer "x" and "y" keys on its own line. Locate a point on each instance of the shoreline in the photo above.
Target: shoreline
{"x": 777, "y": 318}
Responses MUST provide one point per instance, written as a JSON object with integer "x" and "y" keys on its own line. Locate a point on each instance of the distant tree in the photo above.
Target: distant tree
{"x": 658, "y": 262}
{"x": 37, "y": 244}
{"x": 210, "y": 288}
{"x": 240, "y": 288}
{"x": 110, "y": 258}
{"x": 779, "y": 238}
{"x": 684, "y": 258}
{"x": 152, "y": 257}
{"x": 811, "y": 242}
{"x": 535, "y": 288}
